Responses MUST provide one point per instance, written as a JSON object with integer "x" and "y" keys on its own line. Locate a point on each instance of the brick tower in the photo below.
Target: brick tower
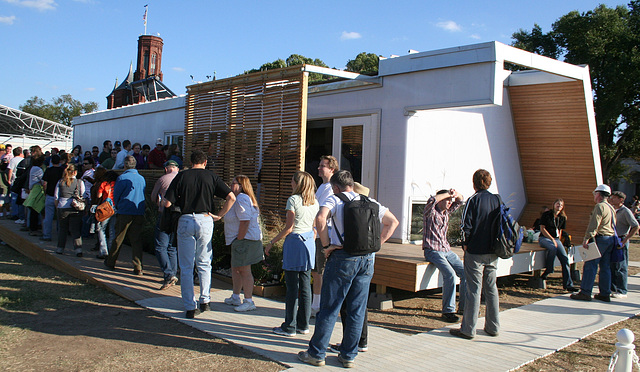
{"x": 149, "y": 60}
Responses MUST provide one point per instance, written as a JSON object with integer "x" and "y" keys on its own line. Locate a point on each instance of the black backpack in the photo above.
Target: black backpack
{"x": 361, "y": 226}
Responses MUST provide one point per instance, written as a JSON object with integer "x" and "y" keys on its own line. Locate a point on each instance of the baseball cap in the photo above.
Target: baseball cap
{"x": 169, "y": 163}
{"x": 117, "y": 143}
{"x": 159, "y": 141}
{"x": 603, "y": 188}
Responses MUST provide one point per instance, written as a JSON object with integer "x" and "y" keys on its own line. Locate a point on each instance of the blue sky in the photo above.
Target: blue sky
{"x": 79, "y": 47}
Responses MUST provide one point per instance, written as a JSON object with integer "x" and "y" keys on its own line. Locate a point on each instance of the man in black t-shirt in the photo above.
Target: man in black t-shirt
{"x": 50, "y": 179}
{"x": 193, "y": 191}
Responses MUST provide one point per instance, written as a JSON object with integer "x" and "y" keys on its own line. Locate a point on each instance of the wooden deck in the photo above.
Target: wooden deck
{"x": 403, "y": 266}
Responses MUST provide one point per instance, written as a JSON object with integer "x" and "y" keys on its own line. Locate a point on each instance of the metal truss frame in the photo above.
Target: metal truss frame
{"x": 18, "y": 123}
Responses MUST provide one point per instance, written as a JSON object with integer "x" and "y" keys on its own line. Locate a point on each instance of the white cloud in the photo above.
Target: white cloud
{"x": 7, "y": 20}
{"x": 476, "y": 36}
{"x": 350, "y": 35}
{"x": 90, "y": 89}
{"x": 450, "y": 26}
{"x": 41, "y": 5}
{"x": 179, "y": 69}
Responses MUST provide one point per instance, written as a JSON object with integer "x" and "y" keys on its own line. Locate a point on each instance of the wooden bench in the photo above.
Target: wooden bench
{"x": 403, "y": 266}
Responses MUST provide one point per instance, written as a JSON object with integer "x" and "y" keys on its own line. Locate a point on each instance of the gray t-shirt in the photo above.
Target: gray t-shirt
{"x": 304, "y": 215}
{"x": 624, "y": 221}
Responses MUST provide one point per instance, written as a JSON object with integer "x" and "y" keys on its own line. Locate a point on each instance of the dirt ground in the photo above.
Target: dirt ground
{"x": 51, "y": 321}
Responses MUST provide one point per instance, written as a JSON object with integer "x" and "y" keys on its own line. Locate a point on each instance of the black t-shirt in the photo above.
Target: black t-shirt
{"x": 553, "y": 224}
{"x": 193, "y": 190}
{"x": 51, "y": 176}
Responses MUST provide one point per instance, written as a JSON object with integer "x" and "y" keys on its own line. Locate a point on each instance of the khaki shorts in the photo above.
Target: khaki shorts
{"x": 320, "y": 259}
{"x": 246, "y": 252}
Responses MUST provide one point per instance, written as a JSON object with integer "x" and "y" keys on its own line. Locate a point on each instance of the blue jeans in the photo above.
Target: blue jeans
{"x": 605, "y": 245}
{"x": 49, "y": 211}
{"x": 619, "y": 272}
{"x": 194, "y": 249}
{"x": 166, "y": 253}
{"x": 450, "y": 266}
{"x": 480, "y": 275}
{"x": 297, "y": 300}
{"x": 552, "y": 253}
{"x": 105, "y": 227}
{"x": 16, "y": 210}
{"x": 346, "y": 279}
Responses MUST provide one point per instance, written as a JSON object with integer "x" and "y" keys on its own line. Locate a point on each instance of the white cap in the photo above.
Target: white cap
{"x": 159, "y": 141}
{"x": 603, "y": 188}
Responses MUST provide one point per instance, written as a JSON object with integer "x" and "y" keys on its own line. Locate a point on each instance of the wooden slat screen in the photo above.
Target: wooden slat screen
{"x": 554, "y": 145}
{"x": 254, "y": 125}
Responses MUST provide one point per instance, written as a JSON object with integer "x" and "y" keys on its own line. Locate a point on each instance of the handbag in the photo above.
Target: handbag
{"x": 105, "y": 210}
{"x": 169, "y": 219}
{"x": 77, "y": 201}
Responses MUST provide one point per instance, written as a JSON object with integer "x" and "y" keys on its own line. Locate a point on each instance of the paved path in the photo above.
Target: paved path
{"x": 527, "y": 333}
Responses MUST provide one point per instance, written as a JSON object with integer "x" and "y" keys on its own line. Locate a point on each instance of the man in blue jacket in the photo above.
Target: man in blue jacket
{"x": 480, "y": 262}
{"x": 128, "y": 198}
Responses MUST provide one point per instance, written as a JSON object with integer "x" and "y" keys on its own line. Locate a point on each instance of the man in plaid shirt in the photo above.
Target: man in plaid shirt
{"x": 438, "y": 252}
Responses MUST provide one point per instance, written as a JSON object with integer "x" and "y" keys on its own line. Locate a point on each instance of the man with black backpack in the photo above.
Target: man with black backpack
{"x": 480, "y": 260}
{"x": 349, "y": 244}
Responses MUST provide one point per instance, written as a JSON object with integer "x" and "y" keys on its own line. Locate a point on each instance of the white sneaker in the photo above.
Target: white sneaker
{"x": 233, "y": 301}
{"x": 618, "y": 295}
{"x": 19, "y": 222}
{"x": 246, "y": 306}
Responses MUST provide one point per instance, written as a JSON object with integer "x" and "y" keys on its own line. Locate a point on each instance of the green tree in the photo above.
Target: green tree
{"x": 608, "y": 40}
{"x": 293, "y": 60}
{"x": 364, "y": 63}
{"x": 61, "y": 109}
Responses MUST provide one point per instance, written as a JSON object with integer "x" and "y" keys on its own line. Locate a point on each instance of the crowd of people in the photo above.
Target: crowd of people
{"x": 36, "y": 186}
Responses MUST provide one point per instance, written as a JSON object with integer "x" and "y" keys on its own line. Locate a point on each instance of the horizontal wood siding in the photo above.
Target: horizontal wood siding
{"x": 253, "y": 125}
{"x": 554, "y": 145}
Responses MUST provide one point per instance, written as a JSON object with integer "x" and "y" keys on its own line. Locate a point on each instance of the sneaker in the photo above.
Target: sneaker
{"x": 580, "y": 296}
{"x": 59, "y": 250}
{"x": 19, "y": 221}
{"x": 305, "y": 357}
{"x": 458, "y": 333}
{"x": 282, "y": 332}
{"x": 602, "y": 297}
{"x": 169, "y": 283}
{"x": 302, "y": 331}
{"x": 192, "y": 313}
{"x": 43, "y": 239}
{"x": 618, "y": 295}
{"x": 492, "y": 334}
{"x": 205, "y": 307}
{"x": 233, "y": 301}
{"x": 345, "y": 362}
{"x": 450, "y": 317}
{"x": 363, "y": 349}
{"x": 246, "y": 306}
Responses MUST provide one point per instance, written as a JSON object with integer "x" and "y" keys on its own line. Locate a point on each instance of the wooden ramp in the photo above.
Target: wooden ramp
{"x": 403, "y": 266}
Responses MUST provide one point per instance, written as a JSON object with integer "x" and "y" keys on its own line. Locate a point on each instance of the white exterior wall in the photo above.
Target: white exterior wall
{"x": 402, "y": 93}
{"x": 446, "y": 146}
{"x": 142, "y": 123}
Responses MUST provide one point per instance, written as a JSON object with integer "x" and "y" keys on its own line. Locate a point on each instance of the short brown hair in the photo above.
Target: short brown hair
{"x": 332, "y": 162}
{"x": 130, "y": 162}
{"x": 619, "y": 194}
{"x": 481, "y": 179}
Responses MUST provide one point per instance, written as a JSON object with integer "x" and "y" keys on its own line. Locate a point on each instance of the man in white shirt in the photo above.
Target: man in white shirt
{"x": 327, "y": 167}
{"x": 348, "y": 276}
{"x": 126, "y": 147}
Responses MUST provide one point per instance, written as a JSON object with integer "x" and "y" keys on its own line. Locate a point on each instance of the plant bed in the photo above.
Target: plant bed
{"x": 263, "y": 290}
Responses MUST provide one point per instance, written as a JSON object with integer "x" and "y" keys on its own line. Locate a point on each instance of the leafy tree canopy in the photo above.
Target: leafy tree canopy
{"x": 61, "y": 109}
{"x": 364, "y": 63}
{"x": 608, "y": 40}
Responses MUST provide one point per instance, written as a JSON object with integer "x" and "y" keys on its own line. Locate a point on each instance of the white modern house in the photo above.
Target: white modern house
{"x": 427, "y": 121}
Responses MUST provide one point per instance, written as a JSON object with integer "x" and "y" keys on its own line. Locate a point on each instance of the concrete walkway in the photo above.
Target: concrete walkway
{"x": 528, "y": 333}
